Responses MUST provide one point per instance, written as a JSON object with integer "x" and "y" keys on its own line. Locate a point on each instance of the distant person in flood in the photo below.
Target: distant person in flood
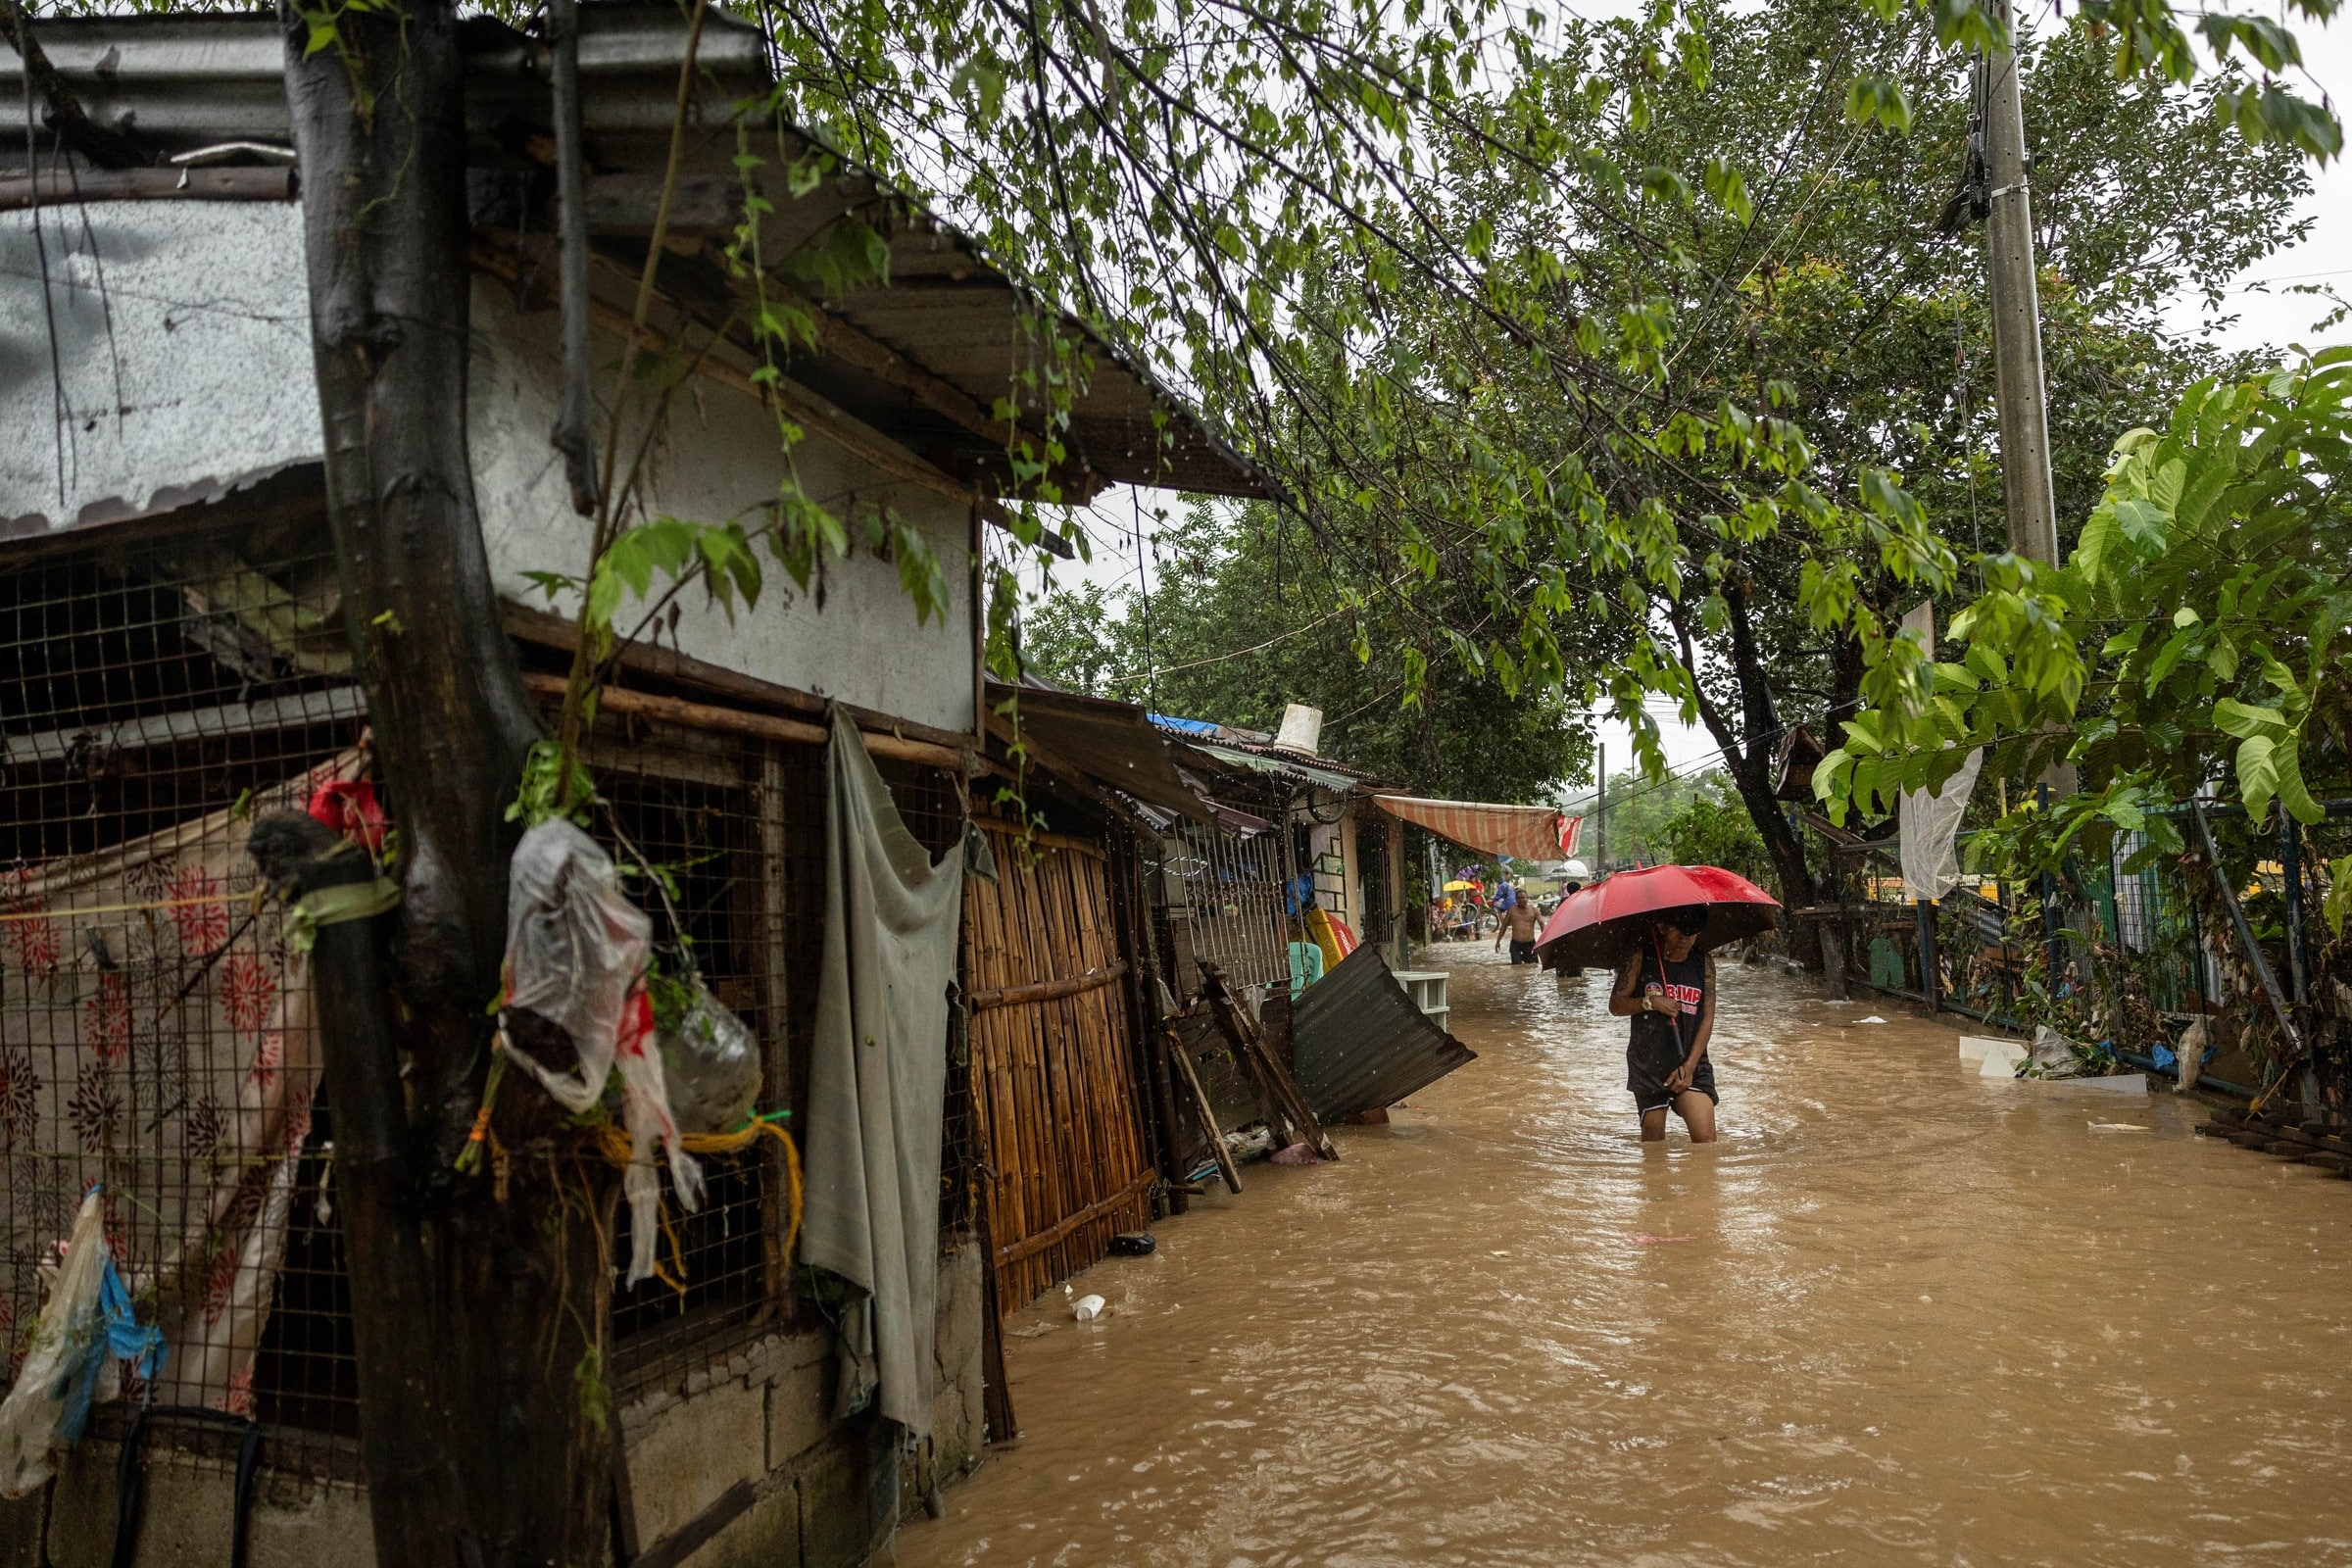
{"x": 1668, "y": 989}
{"x": 1519, "y": 920}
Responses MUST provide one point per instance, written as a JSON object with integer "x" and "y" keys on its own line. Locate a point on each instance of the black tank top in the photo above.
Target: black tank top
{"x": 1686, "y": 982}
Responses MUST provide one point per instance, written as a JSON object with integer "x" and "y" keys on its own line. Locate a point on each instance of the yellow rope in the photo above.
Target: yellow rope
{"x": 69, "y": 912}
{"x": 614, "y": 1144}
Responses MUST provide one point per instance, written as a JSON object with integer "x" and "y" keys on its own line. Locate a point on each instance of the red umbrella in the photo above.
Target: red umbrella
{"x": 1597, "y": 926}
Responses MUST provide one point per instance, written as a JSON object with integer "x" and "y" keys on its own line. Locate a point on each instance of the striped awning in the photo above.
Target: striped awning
{"x": 1523, "y": 832}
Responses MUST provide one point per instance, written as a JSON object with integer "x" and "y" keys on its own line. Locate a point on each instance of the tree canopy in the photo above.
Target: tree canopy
{"x": 1805, "y": 445}
{"x": 1240, "y": 622}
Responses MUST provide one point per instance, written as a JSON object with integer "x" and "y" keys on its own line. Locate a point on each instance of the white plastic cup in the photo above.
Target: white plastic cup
{"x": 1087, "y": 1309}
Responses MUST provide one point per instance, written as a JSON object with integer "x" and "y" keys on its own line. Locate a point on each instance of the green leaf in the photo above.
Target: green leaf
{"x": 2339, "y": 894}
{"x": 1877, "y": 100}
{"x": 2245, "y": 720}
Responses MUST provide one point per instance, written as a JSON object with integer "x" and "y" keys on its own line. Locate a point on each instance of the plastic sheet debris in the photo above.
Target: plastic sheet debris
{"x": 2003, "y": 1064}
{"x": 577, "y": 952}
{"x": 1873, "y": 1018}
{"x": 2122, "y": 1083}
{"x": 2192, "y": 1055}
{"x": 86, "y": 1331}
{"x": 2117, "y": 1126}
{"x": 1295, "y": 1154}
{"x": 1992, "y": 1055}
{"x": 575, "y": 948}
{"x": 2054, "y": 1055}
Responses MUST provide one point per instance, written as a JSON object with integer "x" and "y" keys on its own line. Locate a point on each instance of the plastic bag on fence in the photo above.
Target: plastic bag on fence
{"x": 575, "y": 946}
{"x": 710, "y": 1064}
{"x": 1930, "y": 821}
{"x": 577, "y": 952}
{"x": 86, "y": 1329}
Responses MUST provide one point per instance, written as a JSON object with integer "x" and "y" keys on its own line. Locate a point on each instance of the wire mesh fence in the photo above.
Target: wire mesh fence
{"x": 155, "y": 1034}
{"x": 156, "y": 1042}
{"x": 2125, "y": 952}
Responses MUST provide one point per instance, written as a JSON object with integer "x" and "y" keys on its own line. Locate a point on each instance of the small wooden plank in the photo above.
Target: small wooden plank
{"x": 1084, "y": 1218}
{"x": 1047, "y": 990}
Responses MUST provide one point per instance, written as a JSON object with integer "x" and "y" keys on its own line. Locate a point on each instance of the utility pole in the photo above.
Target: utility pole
{"x": 2021, "y": 400}
{"x": 2018, "y": 397}
{"x": 1600, "y": 811}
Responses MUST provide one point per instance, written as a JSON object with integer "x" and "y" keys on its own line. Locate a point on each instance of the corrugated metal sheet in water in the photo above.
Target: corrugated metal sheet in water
{"x": 1360, "y": 1044}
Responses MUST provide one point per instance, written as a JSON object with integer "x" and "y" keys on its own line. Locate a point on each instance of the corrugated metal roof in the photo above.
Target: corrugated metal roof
{"x": 1360, "y": 1044}
{"x": 1111, "y": 741}
{"x": 1284, "y": 766}
{"x": 188, "y": 80}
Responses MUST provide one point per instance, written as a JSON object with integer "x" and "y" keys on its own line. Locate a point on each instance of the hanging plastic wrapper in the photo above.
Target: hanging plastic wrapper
{"x": 576, "y": 951}
{"x": 86, "y": 1332}
{"x": 710, "y": 1061}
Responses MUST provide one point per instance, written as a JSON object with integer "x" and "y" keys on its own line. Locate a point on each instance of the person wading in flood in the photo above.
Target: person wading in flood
{"x": 1519, "y": 924}
{"x": 1669, "y": 992}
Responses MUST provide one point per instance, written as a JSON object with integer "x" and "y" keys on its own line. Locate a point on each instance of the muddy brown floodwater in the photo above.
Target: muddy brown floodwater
{"x": 1898, "y": 1314}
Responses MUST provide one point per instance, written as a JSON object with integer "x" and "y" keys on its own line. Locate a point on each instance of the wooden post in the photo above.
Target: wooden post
{"x": 2018, "y": 396}
{"x": 1923, "y": 910}
{"x": 1206, "y": 1112}
{"x": 1281, "y": 1090}
{"x": 1145, "y": 989}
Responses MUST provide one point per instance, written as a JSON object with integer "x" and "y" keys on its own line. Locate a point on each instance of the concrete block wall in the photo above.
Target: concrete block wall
{"x": 740, "y": 1465}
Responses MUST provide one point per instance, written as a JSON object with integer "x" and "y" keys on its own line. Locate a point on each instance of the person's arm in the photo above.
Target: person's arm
{"x": 1624, "y": 1002}
{"x": 1680, "y": 1079}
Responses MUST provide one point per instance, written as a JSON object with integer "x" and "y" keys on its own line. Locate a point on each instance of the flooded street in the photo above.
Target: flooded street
{"x": 1899, "y": 1313}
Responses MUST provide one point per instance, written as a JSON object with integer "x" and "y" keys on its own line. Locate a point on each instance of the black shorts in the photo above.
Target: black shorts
{"x": 1648, "y": 1065}
{"x": 1523, "y": 951}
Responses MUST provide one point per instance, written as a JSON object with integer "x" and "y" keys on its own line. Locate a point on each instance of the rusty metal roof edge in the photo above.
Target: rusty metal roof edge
{"x": 509, "y": 52}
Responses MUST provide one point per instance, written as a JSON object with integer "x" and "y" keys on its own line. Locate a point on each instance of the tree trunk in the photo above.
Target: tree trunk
{"x": 480, "y": 1305}
{"x": 1847, "y": 668}
{"x": 1752, "y": 761}
{"x": 1748, "y": 757}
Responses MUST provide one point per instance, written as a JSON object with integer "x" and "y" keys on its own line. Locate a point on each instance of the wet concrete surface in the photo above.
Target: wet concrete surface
{"x": 1898, "y": 1314}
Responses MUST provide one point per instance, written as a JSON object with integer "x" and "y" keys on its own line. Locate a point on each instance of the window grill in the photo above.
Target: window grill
{"x": 1232, "y": 902}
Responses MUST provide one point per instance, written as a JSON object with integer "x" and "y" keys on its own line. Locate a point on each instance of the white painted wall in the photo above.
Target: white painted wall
{"x": 719, "y": 458}
{"x": 182, "y": 357}
{"x": 190, "y": 371}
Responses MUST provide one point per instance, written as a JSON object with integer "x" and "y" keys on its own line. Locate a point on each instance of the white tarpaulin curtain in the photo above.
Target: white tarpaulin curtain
{"x": 1931, "y": 818}
{"x": 876, "y": 1077}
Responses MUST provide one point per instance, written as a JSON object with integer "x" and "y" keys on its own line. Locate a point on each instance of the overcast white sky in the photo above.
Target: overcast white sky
{"x": 2268, "y": 315}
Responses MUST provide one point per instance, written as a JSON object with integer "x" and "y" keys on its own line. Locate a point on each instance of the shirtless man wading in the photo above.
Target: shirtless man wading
{"x": 1519, "y": 923}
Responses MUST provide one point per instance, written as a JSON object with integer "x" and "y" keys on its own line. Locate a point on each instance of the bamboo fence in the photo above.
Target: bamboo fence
{"x": 1067, "y": 1166}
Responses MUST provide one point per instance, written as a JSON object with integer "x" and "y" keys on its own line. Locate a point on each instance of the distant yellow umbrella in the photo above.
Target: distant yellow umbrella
{"x": 1461, "y": 887}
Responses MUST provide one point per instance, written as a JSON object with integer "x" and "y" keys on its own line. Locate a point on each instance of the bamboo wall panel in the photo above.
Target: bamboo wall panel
{"x": 1053, "y": 1075}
